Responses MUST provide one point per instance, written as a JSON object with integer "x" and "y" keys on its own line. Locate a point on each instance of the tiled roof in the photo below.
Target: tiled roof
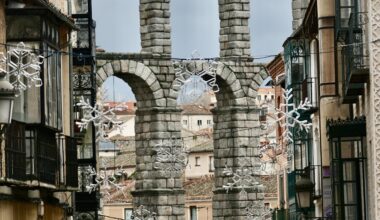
{"x": 195, "y": 189}
{"x": 207, "y": 146}
{"x": 200, "y": 188}
{"x": 195, "y": 110}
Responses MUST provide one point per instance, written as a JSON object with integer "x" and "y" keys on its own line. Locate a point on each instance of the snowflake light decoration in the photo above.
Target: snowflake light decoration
{"x": 194, "y": 84}
{"x": 288, "y": 115}
{"x": 255, "y": 210}
{"x": 23, "y": 67}
{"x": 103, "y": 118}
{"x": 172, "y": 156}
{"x": 141, "y": 213}
{"x": 246, "y": 176}
{"x": 105, "y": 180}
{"x": 85, "y": 177}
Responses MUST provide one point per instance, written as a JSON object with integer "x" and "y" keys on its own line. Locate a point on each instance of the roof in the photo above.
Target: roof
{"x": 207, "y": 146}
{"x": 200, "y": 188}
{"x": 195, "y": 110}
{"x": 195, "y": 189}
{"x": 53, "y": 9}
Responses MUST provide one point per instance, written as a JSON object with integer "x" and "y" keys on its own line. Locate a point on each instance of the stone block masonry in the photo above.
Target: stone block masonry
{"x": 150, "y": 74}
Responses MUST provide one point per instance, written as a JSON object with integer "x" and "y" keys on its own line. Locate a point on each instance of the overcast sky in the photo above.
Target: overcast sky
{"x": 195, "y": 26}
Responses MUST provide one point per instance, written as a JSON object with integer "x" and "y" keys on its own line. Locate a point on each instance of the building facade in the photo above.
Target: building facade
{"x": 38, "y": 171}
{"x": 331, "y": 60}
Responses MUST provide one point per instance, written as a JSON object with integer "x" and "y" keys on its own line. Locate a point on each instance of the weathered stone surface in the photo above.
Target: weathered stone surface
{"x": 150, "y": 75}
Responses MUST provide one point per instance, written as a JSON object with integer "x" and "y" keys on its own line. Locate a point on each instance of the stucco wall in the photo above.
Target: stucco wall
{"x": 204, "y": 161}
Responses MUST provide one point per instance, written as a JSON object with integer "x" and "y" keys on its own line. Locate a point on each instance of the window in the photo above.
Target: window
{"x": 208, "y": 122}
{"x": 199, "y": 122}
{"x": 79, "y": 6}
{"x": 259, "y": 97}
{"x": 184, "y": 122}
{"x": 128, "y": 214}
{"x": 52, "y": 89}
{"x": 348, "y": 168}
{"x": 265, "y": 97}
{"x": 27, "y": 106}
{"x": 30, "y": 149}
{"x": 197, "y": 161}
{"x": 193, "y": 213}
{"x": 211, "y": 164}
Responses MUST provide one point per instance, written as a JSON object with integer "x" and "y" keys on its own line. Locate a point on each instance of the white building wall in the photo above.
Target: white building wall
{"x": 190, "y": 122}
{"x": 193, "y": 171}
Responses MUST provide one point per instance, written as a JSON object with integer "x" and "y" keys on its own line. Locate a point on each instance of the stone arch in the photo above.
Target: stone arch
{"x": 231, "y": 91}
{"x": 140, "y": 77}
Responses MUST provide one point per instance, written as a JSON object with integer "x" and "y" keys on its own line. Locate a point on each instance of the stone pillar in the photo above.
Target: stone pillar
{"x": 155, "y": 27}
{"x": 154, "y": 189}
{"x": 299, "y": 8}
{"x": 373, "y": 121}
{"x": 232, "y": 142}
{"x": 234, "y": 37}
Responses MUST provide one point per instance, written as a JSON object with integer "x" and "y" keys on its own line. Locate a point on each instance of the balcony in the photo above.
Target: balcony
{"x": 355, "y": 62}
{"x": 306, "y": 89}
{"x": 37, "y": 153}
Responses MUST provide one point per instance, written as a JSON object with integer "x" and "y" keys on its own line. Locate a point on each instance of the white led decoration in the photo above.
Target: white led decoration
{"x": 246, "y": 176}
{"x": 23, "y": 67}
{"x": 106, "y": 180}
{"x": 141, "y": 213}
{"x": 288, "y": 115}
{"x": 101, "y": 116}
{"x": 256, "y": 210}
{"x": 172, "y": 156}
{"x": 193, "y": 85}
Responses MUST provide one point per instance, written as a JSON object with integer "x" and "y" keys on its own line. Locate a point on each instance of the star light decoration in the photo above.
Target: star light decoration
{"x": 172, "y": 156}
{"x": 23, "y": 67}
{"x": 193, "y": 85}
{"x": 106, "y": 180}
{"x": 141, "y": 213}
{"x": 255, "y": 210}
{"x": 102, "y": 116}
{"x": 246, "y": 176}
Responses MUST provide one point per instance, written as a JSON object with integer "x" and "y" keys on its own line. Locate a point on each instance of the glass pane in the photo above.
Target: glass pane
{"x": 79, "y": 6}
{"x": 347, "y": 149}
{"x": 26, "y": 107}
{"x": 81, "y": 38}
{"x": 85, "y": 150}
{"x": 52, "y": 85}
{"x": 349, "y": 171}
{"x": 128, "y": 214}
{"x": 349, "y": 190}
{"x": 350, "y": 212}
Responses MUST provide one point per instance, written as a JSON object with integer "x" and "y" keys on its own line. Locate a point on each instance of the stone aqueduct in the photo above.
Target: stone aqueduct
{"x": 151, "y": 75}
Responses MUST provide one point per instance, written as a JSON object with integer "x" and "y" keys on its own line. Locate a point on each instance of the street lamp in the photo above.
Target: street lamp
{"x": 304, "y": 190}
{"x": 7, "y": 95}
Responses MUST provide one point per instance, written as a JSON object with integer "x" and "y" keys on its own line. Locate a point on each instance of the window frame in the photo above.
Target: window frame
{"x": 197, "y": 161}
{"x": 199, "y": 122}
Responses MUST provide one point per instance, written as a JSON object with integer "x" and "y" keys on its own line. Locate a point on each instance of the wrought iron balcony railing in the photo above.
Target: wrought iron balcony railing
{"x": 355, "y": 62}
{"x": 35, "y": 152}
